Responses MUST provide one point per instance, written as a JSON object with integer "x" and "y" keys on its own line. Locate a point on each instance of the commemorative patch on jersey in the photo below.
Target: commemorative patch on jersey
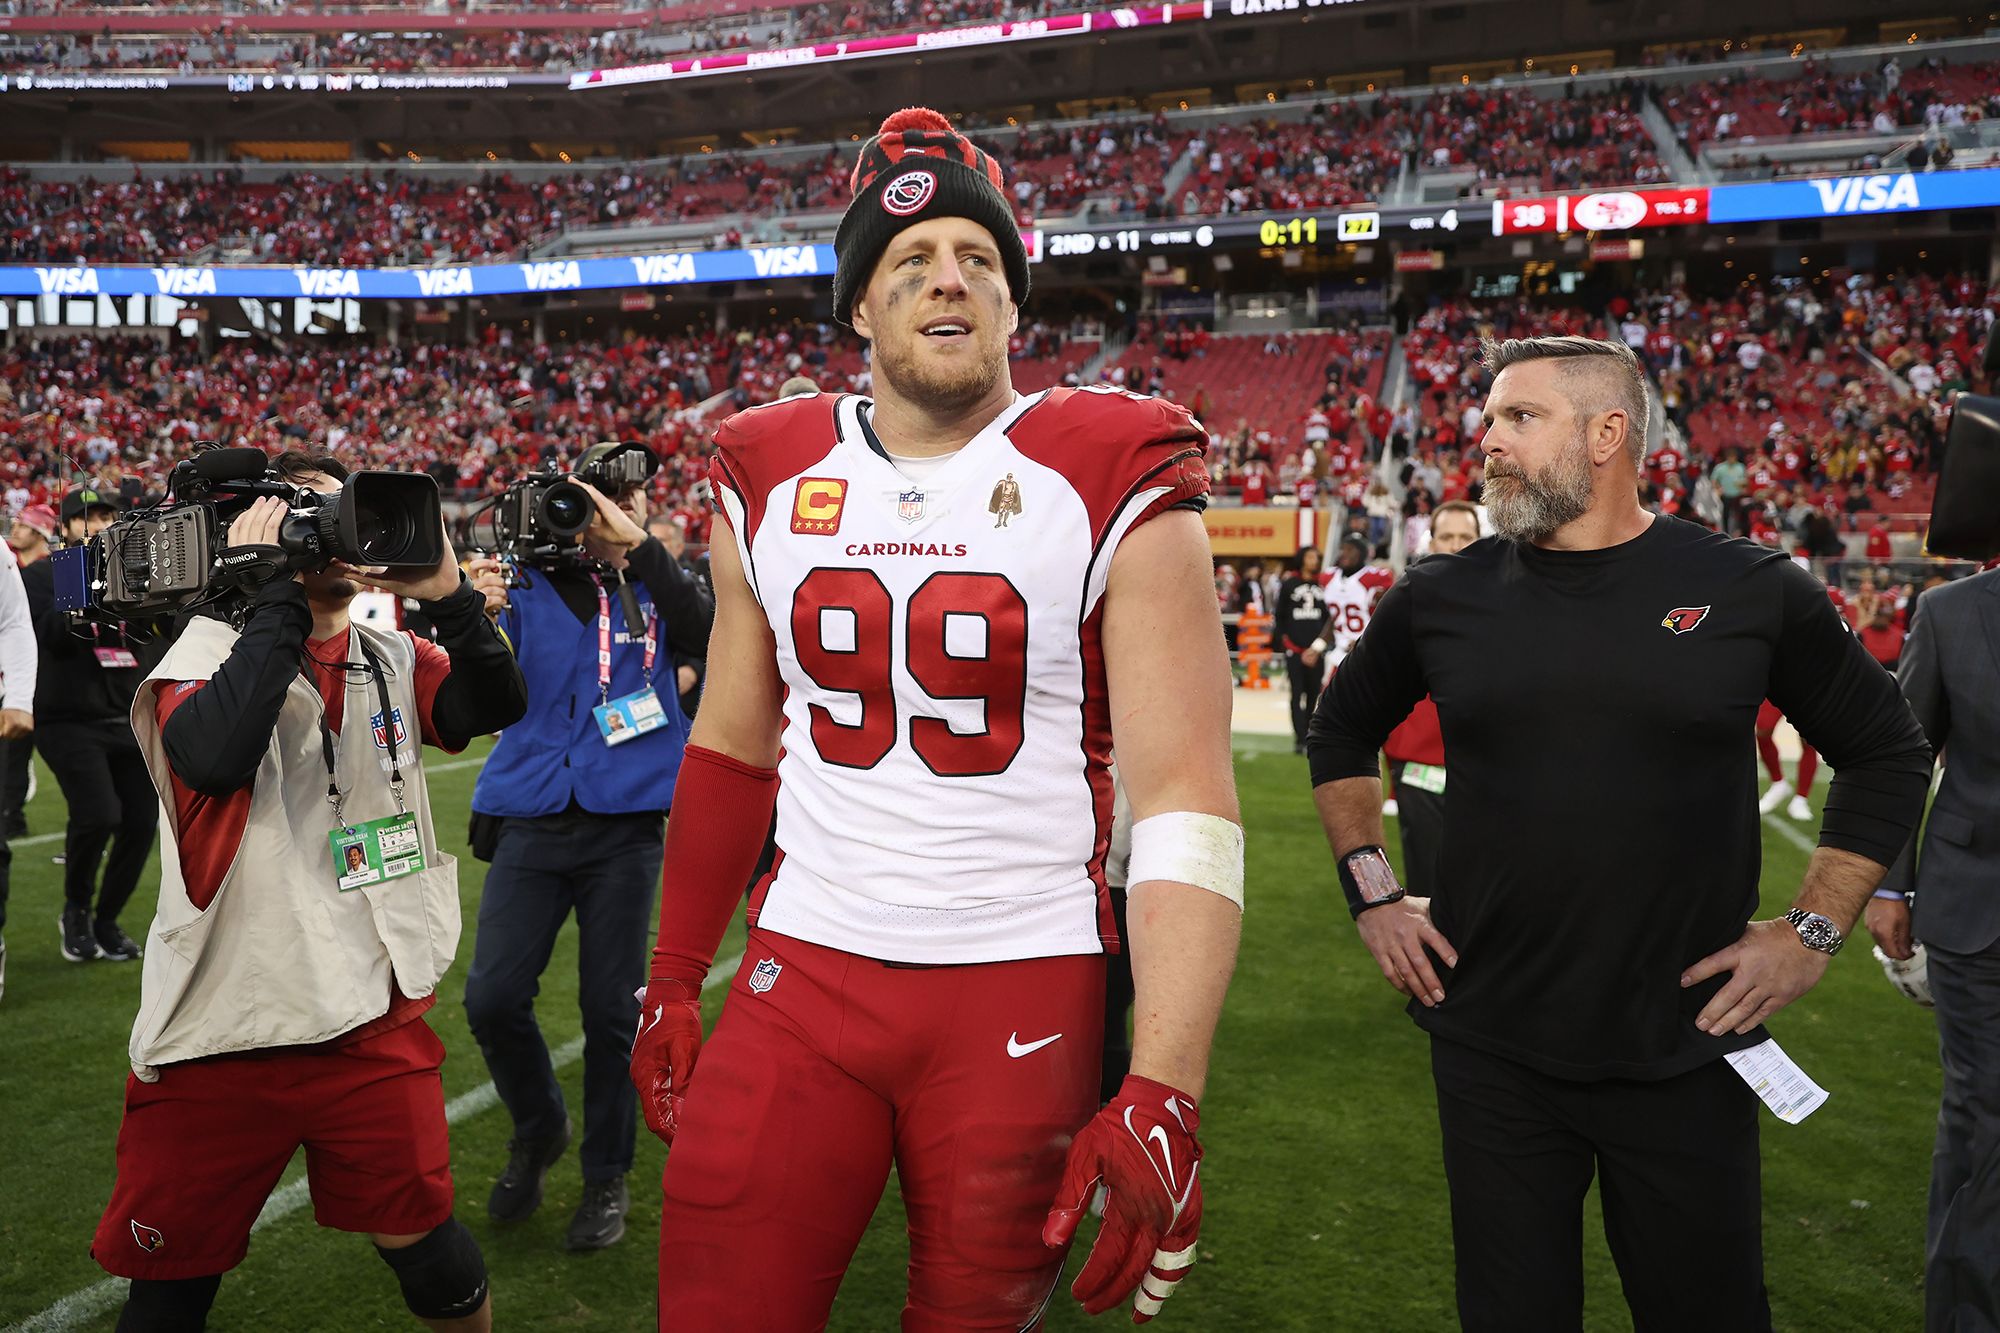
{"x": 1005, "y": 502}
{"x": 816, "y": 506}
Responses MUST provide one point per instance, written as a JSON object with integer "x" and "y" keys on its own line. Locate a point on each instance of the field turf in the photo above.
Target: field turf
{"x": 1326, "y": 1202}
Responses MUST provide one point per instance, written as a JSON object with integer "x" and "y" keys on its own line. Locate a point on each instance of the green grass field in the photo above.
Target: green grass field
{"x": 1326, "y": 1201}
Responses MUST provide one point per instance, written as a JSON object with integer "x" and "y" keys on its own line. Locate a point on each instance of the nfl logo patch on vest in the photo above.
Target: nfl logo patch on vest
{"x": 382, "y": 732}
{"x": 765, "y": 975}
{"x": 910, "y": 506}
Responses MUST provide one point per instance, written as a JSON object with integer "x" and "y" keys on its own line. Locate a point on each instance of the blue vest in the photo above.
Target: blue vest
{"x": 556, "y": 752}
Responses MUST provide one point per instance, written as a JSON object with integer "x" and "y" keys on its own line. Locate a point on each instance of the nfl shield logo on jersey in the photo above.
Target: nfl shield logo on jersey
{"x": 910, "y": 506}
{"x": 765, "y": 975}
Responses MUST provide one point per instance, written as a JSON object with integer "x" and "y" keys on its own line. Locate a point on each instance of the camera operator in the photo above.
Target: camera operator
{"x": 83, "y": 705}
{"x": 283, "y": 994}
{"x": 579, "y": 791}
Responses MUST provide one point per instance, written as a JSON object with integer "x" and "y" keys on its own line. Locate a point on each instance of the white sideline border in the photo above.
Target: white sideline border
{"x": 105, "y": 1295}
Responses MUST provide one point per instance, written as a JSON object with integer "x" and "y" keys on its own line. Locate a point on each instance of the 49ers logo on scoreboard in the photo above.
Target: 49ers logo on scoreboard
{"x": 816, "y": 506}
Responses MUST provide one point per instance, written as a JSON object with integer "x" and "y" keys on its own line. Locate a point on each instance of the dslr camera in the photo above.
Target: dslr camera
{"x": 539, "y": 520}
{"x": 171, "y": 555}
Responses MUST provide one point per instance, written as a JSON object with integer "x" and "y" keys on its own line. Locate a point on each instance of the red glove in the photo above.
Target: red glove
{"x": 664, "y": 1052}
{"x": 1142, "y": 1146}
{"x": 722, "y": 811}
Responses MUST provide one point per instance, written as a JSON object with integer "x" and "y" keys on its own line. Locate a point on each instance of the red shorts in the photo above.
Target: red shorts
{"x": 972, "y": 1080}
{"x": 200, "y": 1150}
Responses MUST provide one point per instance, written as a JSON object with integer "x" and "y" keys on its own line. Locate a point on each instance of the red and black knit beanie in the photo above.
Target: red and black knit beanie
{"x": 918, "y": 167}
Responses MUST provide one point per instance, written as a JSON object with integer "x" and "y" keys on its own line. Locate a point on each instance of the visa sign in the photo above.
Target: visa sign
{"x": 67, "y": 281}
{"x": 1841, "y": 196}
{"x": 322, "y": 283}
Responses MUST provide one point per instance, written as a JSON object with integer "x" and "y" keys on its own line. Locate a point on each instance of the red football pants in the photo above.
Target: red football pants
{"x": 972, "y": 1080}
{"x": 1768, "y": 718}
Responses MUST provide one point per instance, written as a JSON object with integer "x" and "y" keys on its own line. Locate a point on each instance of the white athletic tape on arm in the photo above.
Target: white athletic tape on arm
{"x": 1189, "y": 848}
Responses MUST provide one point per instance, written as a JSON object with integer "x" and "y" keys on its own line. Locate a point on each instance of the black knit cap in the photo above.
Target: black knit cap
{"x": 917, "y": 167}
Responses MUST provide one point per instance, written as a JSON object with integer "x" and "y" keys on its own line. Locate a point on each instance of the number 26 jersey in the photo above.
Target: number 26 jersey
{"x": 944, "y": 793}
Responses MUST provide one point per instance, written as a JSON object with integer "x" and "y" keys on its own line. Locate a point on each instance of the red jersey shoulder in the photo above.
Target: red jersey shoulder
{"x": 1375, "y": 578}
{"x": 1113, "y": 444}
{"x": 760, "y": 446}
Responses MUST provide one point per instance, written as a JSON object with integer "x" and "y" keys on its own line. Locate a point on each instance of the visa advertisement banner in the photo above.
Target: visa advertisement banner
{"x": 417, "y": 284}
{"x": 1855, "y": 196}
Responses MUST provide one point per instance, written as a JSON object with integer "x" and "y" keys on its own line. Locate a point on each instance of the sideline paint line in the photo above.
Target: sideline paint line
{"x": 40, "y": 838}
{"x": 1790, "y": 834}
{"x": 102, "y": 1297}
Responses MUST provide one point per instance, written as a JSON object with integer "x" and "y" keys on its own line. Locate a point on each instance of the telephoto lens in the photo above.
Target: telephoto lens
{"x": 566, "y": 509}
{"x": 392, "y": 519}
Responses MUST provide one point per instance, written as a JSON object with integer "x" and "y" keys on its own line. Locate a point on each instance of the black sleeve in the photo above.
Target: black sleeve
{"x": 687, "y": 611}
{"x": 485, "y": 690}
{"x": 1377, "y": 685}
{"x": 216, "y": 739}
{"x": 1849, "y": 709}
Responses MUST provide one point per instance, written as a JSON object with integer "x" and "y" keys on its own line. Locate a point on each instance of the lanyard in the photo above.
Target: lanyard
{"x": 334, "y": 795}
{"x": 604, "y": 641}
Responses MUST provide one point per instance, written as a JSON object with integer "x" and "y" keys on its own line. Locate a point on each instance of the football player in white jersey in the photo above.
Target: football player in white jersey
{"x": 938, "y": 611}
{"x": 1353, "y": 586}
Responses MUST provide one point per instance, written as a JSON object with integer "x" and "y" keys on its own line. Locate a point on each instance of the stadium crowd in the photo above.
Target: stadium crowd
{"x": 1931, "y": 94}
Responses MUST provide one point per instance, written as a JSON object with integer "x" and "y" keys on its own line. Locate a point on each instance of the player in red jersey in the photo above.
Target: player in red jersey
{"x": 942, "y": 608}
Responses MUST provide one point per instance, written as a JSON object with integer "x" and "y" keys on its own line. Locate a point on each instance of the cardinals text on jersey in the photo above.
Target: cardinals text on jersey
{"x": 943, "y": 791}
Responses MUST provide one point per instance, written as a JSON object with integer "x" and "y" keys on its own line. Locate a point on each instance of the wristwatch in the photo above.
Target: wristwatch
{"x": 1815, "y": 931}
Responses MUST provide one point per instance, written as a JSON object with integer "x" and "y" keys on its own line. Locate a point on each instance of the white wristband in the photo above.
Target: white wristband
{"x": 1189, "y": 848}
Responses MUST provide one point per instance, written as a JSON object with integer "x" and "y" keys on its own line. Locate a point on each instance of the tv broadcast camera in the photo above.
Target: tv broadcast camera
{"x": 171, "y": 555}
{"x": 539, "y": 520}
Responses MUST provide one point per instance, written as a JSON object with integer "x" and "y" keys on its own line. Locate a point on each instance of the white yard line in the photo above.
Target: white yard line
{"x": 1785, "y": 830}
{"x": 100, "y": 1298}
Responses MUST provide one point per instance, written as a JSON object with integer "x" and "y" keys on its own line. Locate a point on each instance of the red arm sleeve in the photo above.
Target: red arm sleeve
{"x": 432, "y": 667}
{"x": 721, "y": 815}
{"x": 209, "y": 829}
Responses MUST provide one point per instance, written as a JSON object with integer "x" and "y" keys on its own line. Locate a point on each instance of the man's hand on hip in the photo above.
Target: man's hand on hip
{"x": 1142, "y": 1147}
{"x": 1397, "y": 934}
{"x": 1769, "y": 968}
{"x": 665, "y": 1050}
{"x": 16, "y": 724}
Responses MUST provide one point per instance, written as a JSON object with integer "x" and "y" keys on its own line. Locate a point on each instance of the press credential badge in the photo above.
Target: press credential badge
{"x": 376, "y": 851}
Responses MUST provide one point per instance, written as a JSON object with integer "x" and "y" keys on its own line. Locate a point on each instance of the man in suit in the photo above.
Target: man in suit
{"x": 1950, "y": 673}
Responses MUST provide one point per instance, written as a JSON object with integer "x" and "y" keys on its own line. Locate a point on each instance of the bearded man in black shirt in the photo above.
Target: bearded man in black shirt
{"x": 1592, "y": 956}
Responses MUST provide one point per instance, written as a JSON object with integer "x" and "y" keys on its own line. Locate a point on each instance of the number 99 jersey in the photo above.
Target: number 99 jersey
{"x": 944, "y": 795}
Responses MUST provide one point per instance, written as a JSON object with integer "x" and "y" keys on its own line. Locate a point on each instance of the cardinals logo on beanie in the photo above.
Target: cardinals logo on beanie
{"x": 917, "y": 167}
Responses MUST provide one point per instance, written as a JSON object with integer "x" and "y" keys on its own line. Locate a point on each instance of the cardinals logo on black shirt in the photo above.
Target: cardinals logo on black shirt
{"x": 1684, "y": 618}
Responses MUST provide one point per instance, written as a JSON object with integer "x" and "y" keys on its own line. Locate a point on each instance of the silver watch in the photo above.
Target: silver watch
{"x": 1815, "y": 931}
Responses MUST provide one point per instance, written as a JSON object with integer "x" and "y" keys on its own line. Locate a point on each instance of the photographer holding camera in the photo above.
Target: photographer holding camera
{"x": 284, "y": 985}
{"x": 572, "y": 807}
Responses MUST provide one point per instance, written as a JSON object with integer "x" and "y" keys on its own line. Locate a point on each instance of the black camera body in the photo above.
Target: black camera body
{"x": 171, "y": 555}
{"x": 540, "y": 519}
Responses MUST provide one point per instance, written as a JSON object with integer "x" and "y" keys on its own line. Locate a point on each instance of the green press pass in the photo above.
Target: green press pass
{"x": 375, "y": 850}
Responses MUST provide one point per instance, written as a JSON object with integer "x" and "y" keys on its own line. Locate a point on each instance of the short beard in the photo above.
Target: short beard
{"x": 941, "y": 395}
{"x": 1529, "y": 508}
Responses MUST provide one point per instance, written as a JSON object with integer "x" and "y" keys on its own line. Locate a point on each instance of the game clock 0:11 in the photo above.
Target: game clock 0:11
{"x": 1289, "y": 231}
